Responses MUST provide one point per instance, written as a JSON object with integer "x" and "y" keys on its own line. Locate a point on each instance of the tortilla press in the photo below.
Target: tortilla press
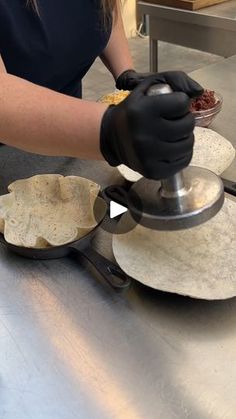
{"x": 187, "y": 199}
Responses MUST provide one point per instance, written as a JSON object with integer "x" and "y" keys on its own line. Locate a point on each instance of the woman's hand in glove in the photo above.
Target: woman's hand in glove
{"x": 178, "y": 81}
{"x": 150, "y": 134}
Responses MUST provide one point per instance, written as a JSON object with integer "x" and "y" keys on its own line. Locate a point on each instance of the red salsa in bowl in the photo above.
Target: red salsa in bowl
{"x": 206, "y": 107}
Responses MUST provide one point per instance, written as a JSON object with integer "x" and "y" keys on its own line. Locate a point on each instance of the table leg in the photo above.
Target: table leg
{"x": 153, "y": 55}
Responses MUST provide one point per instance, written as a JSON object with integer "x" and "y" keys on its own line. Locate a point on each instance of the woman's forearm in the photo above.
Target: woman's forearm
{"x": 116, "y": 55}
{"x": 42, "y": 121}
{"x": 2, "y": 66}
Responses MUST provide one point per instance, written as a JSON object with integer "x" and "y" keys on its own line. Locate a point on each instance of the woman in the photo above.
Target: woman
{"x": 47, "y": 48}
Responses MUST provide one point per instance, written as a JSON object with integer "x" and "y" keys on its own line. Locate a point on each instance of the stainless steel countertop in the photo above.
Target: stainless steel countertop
{"x": 72, "y": 348}
{"x": 211, "y": 29}
{"x": 222, "y": 15}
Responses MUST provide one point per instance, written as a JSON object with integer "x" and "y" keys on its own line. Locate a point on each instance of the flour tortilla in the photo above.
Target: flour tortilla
{"x": 199, "y": 262}
{"x": 48, "y": 210}
{"x": 211, "y": 151}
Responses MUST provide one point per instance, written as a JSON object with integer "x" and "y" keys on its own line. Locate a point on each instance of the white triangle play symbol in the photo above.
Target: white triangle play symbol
{"x": 116, "y": 209}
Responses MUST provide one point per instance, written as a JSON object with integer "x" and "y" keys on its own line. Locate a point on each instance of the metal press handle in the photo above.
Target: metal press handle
{"x": 174, "y": 186}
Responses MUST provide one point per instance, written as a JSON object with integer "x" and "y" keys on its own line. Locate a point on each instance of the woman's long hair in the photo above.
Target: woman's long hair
{"x": 107, "y": 8}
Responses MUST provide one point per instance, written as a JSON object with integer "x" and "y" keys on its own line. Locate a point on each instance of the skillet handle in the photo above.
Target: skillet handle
{"x": 229, "y": 186}
{"x": 116, "y": 193}
{"x": 110, "y": 271}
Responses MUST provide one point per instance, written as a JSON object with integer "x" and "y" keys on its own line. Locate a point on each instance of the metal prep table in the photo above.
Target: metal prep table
{"x": 72, "y": 348}
{"x": 212, "y": 29}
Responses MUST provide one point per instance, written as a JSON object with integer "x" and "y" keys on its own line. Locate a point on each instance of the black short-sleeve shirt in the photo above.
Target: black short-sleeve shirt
{"x": 55, "y": 49}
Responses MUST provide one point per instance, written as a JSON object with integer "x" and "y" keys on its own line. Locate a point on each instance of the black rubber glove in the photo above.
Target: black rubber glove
{"x": 178, "y": 80}
{"x": 150, "y": 134}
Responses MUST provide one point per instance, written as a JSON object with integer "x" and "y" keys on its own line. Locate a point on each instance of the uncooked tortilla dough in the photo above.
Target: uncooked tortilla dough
{"x": 199, "y": 262}
{"x": 48, "y": 210}
{"x": 211, "y": 151}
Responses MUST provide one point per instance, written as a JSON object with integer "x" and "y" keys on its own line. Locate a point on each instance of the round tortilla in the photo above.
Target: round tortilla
{"x": 48, "y": 210}
{"x": 211, "y": 151}
{"x": 199, "y": 262}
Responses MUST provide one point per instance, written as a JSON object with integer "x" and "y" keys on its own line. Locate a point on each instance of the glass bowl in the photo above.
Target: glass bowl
{"x": 205, "y": 118}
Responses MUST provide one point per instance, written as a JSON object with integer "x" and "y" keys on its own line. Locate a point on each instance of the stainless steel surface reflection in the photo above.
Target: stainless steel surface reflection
{"x": 72, "y": 348}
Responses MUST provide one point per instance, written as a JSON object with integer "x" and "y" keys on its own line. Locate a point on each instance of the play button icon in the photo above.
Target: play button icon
{"x": 118, "y": 218}
{"x": 116, "y": 209}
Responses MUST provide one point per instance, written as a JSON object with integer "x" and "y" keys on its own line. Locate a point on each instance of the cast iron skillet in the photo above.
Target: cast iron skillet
{"x": 110, "y": 271}
{"x": 229, "y": 186}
